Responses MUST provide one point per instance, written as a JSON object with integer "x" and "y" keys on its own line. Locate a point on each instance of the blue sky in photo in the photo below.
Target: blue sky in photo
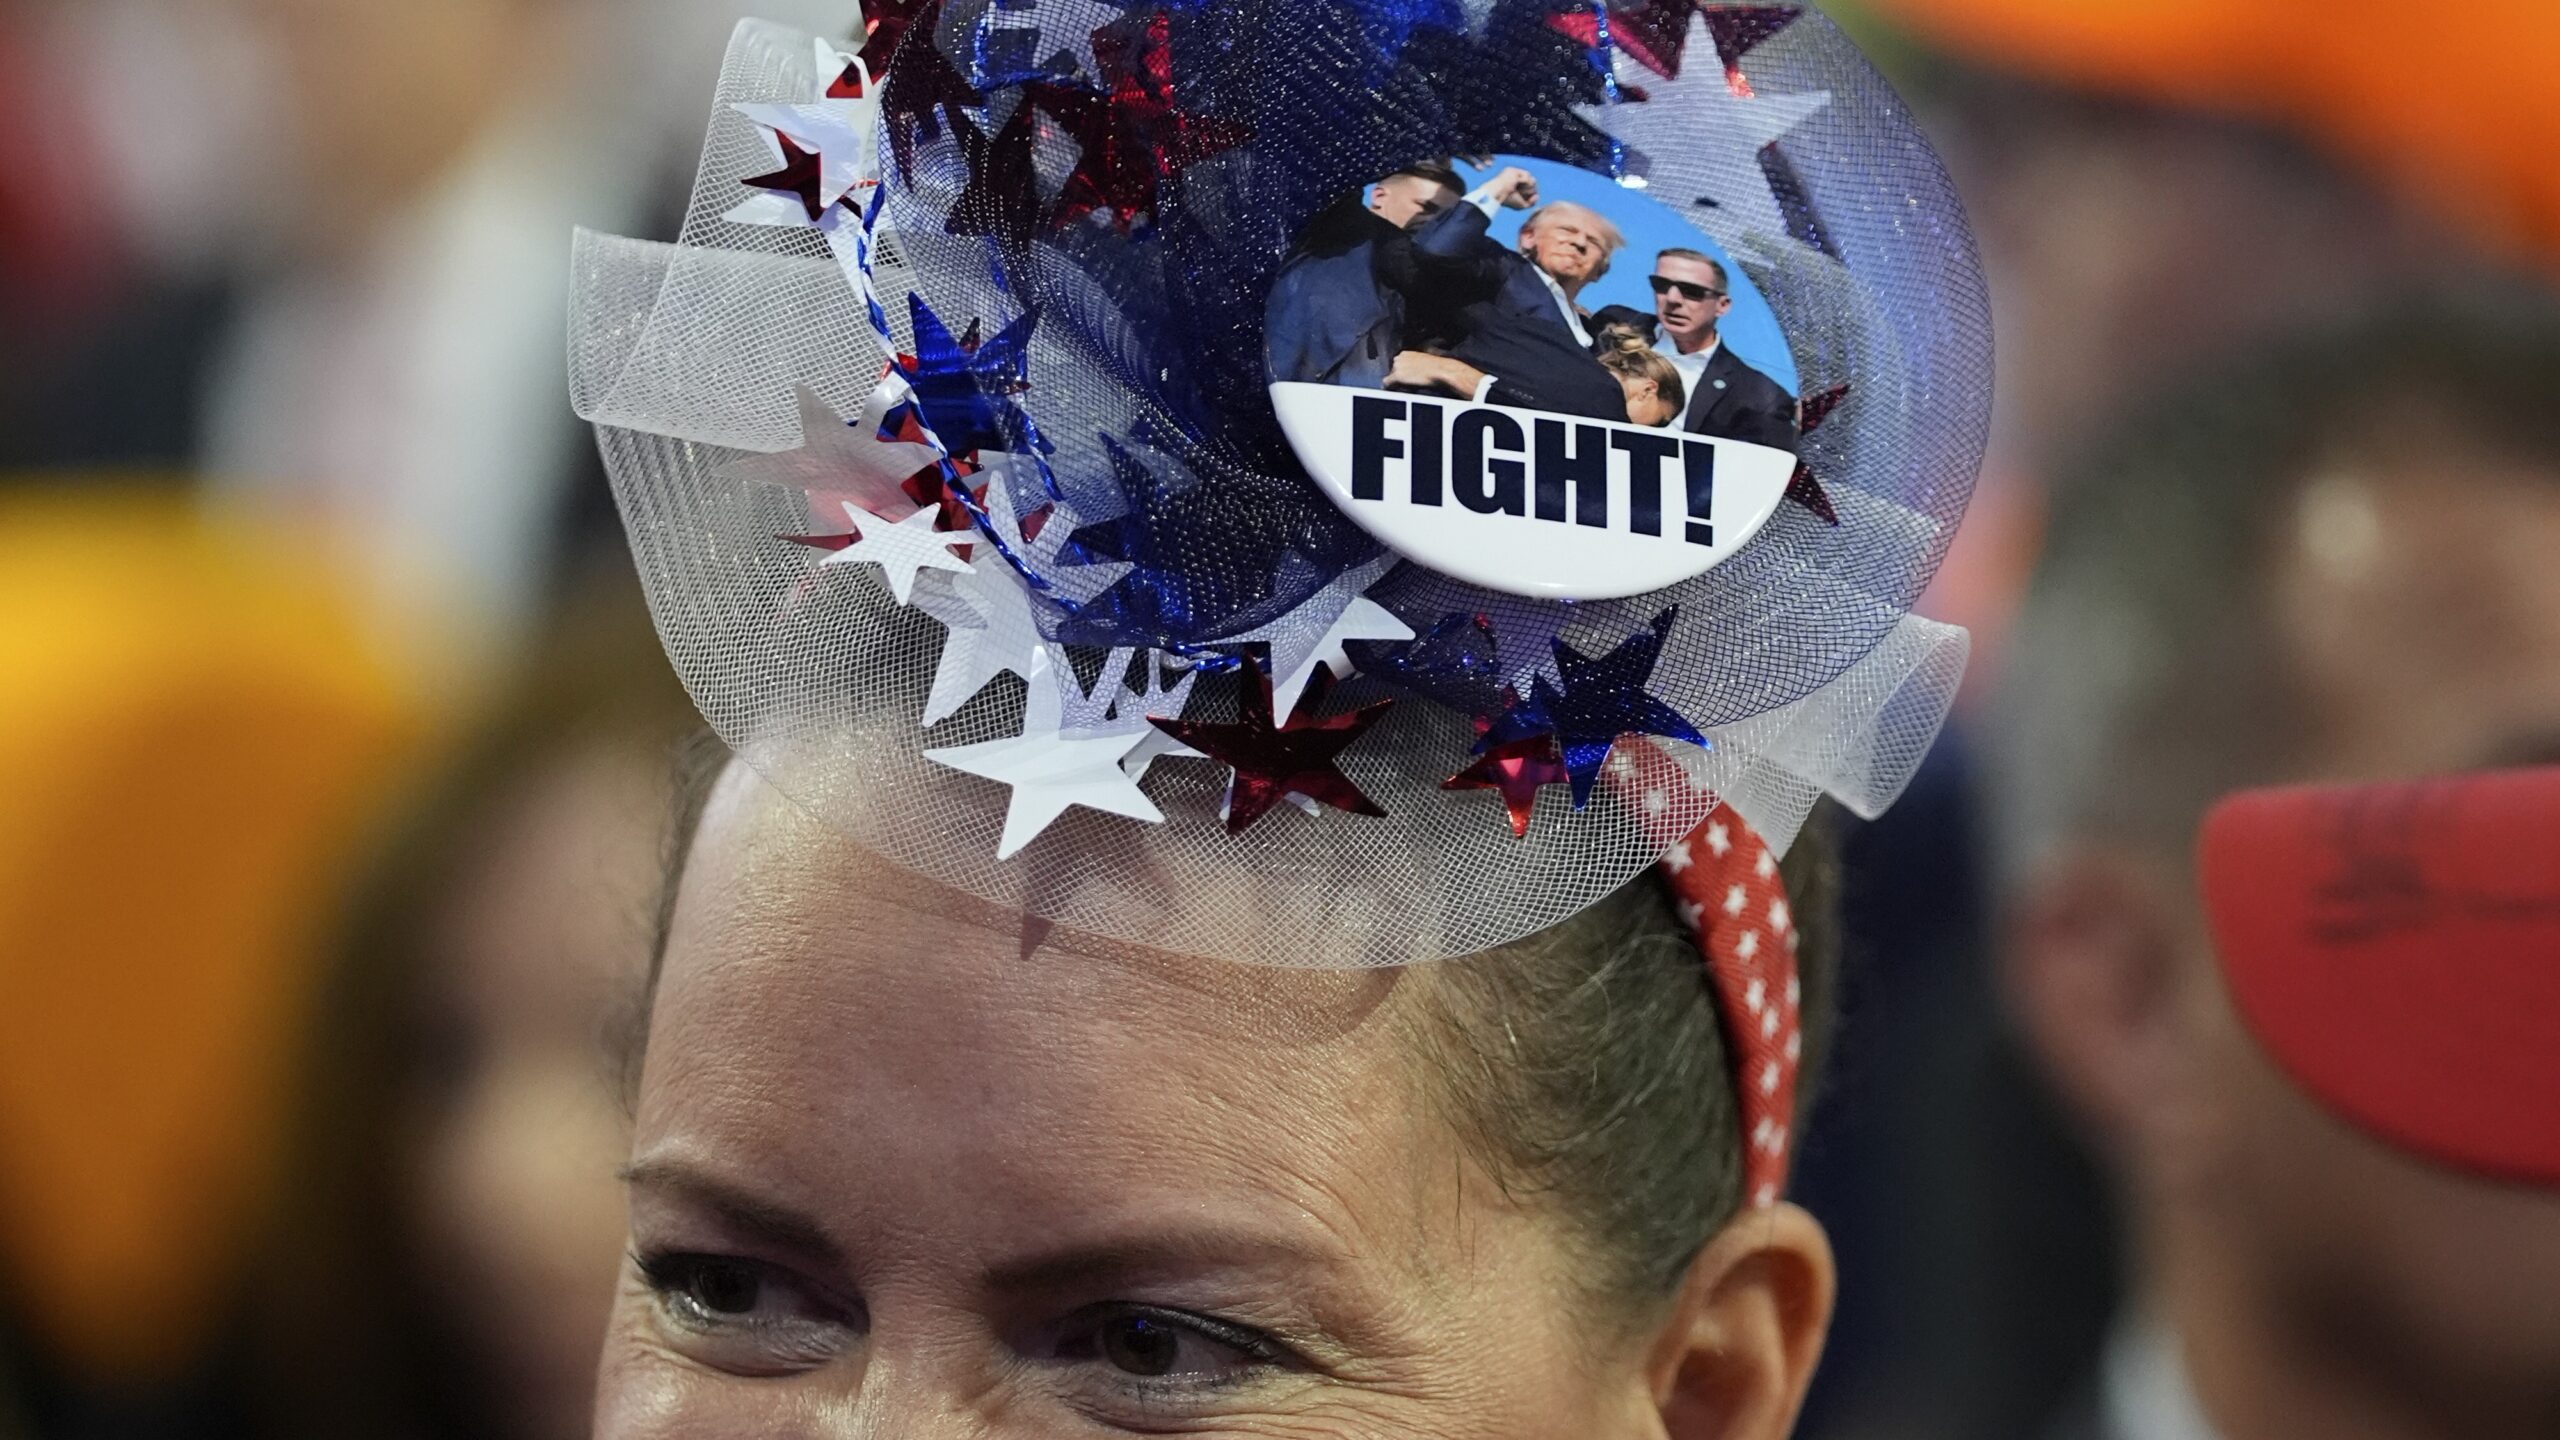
{"x": 1752, "y": 329}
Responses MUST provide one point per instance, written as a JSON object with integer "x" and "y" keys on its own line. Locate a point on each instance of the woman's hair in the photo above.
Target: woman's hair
{"x": 1586, "y": 1066}
{"x": 1589, "y": 1065}
{"x": 1629, "y": 355}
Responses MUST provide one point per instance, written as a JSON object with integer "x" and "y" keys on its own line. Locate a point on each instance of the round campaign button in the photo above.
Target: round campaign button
{"x": 1532, "y": 378}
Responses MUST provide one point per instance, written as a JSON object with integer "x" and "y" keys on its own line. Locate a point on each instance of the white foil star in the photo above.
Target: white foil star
{"x": 988, "y": 612}
{"x": 903, "y": 549}
{"x": 1315, "y": 633}
{"x": 1050, "y": 770}
{"x": 1695, "y": 145}
{"x": 840, "y": 457}
{"x": 1006, "y": 477}
{"x": 1060, "y": 27}
{"x": 837, "y": 130}
{"x": 1114, "y": 707}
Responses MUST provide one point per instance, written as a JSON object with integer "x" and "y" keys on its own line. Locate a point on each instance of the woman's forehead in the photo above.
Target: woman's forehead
{"x": 764, "y": 874}
{"x": 806, "y": 982}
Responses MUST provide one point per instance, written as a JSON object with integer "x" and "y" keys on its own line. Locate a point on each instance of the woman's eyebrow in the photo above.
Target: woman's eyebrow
{"x": 764, "y": 1221}
{"x": 1160, "y": 1253}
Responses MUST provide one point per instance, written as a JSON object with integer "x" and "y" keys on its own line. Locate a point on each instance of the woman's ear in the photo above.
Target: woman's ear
{"x": 1737, "y": 1353}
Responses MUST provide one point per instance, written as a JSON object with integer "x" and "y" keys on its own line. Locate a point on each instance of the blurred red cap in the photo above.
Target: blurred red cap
{"x": 2396, "y": 948}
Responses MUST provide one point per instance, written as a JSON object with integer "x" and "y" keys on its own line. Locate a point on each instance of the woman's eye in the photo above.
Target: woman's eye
{"x": 741, "y": 1315}
{"x": 723, "y": 1288}
{"x": 1160, "y": 1345}
{"x": 1141, "y": 1345}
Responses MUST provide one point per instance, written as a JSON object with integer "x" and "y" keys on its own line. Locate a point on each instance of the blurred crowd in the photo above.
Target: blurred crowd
{"x": 335, "y": 746}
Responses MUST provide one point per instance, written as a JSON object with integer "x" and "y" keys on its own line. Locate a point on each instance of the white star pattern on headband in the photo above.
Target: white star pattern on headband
{"x": 902, "y": 550}
{"x": 1695, "y": 145}
{"x": 844, "y": 458}
{"x": 1737, "y": 873}
{"x": 1052, "y": 770}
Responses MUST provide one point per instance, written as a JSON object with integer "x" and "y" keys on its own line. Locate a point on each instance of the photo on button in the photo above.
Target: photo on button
{"x": 1532, "y": 350}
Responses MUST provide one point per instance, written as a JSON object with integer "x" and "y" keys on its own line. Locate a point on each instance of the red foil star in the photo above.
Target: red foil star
{"x": 1134, "y": 137}
{"x": 930, "y": 486}
{"x": 1656, "y": 33}
{"x": 886, "y": 22}
{"x": 1519, "y": 770}
{"x": 1273, "y": 762}
{"x": 798, "y": 176}
{"x": 1805, "y": 488}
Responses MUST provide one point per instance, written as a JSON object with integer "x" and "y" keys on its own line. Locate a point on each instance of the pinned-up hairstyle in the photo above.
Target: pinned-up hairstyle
{"x": 1627, "y": 355}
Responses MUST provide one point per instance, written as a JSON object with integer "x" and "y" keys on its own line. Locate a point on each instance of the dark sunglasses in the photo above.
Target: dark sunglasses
{"x": 1689, "y": 289}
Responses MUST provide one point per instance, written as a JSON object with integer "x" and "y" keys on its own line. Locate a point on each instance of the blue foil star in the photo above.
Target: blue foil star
{"x": 1599, "y": 701}
{"x": 1453, "y": 663}
{"x": 966, "y": 391}
{"x": 1213, "y": 551}
{"x": 1157, "y": 600}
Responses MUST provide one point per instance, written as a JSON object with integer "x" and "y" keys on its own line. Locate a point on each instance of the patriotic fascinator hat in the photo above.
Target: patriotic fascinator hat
{"x": 1331, "y": 482}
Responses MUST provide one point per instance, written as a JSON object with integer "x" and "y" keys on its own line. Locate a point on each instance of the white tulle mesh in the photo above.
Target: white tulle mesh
{"x": 1799, "y": 658}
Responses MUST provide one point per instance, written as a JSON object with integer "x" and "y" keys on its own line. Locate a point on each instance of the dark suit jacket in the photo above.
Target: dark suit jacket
{"x": 1489, "y": 307}
{"x": 1336, "y": 315}
{"x": 1731, "y": 401}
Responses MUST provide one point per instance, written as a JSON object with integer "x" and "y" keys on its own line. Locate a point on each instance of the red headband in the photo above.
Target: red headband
{"x": 1724, "y": 881}
{"x": 2396, "y": 949}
